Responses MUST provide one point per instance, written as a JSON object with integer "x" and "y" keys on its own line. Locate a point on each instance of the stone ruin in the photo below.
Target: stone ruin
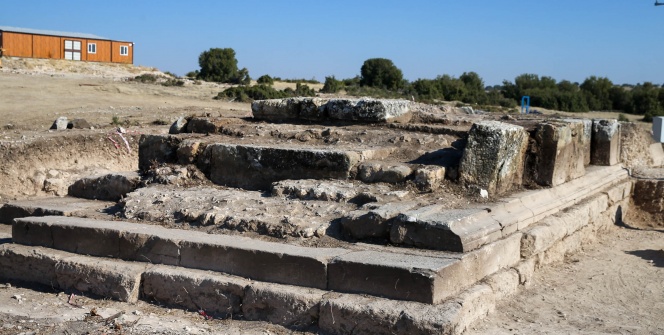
{"x": 333, "y": 215}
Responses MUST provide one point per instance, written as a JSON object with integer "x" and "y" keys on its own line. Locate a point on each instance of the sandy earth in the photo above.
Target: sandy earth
{"x": 614, "y": 286}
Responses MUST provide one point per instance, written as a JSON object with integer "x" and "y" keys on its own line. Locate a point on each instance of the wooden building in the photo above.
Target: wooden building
{"x": 33, "y": 43}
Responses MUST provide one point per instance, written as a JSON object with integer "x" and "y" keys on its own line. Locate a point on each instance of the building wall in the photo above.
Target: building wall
{"x": 41, "y": 46}
{"x": 103, "y": 51}
{"x": 115, "y": 53}
{"x": 46, "y": 47}
{"x": 17, "y": 45}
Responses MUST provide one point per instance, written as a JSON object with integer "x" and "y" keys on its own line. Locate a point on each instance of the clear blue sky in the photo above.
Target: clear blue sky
{"x": 568, "y": 39}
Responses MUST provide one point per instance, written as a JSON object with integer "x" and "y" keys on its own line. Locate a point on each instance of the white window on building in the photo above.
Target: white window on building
{"x": 124, "y": 50}
{"x": 92, "y": 48}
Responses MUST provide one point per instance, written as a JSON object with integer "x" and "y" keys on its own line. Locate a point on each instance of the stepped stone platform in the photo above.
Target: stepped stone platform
{"x": 63, "y": 206}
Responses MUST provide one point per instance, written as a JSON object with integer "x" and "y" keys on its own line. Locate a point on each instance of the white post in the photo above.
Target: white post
{"x": 658, "y": 128}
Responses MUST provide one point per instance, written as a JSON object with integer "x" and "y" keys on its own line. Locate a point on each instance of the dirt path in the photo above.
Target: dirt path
{"x": 614, "y": 286}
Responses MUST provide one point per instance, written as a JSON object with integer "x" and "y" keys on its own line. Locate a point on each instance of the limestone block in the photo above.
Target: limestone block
{"x": 110, "y": 187}
{"x": 178, "y": 126}
{"x": 428, "y": 178}
{"x": 78, "y": 124}
{"x": 276, "y": 109}
{"x": 107, "y": 278}
{"x": 256, "y": 167}
{"x": 156, "y": 149}
{"x": 369, "y": 110}
{"x": 60, "y": 123}
{"x": 586, "y": 139}
{"x": 606, "y": 142}
{"x": 29, "y": 264}
{"x": 217, "y": 294}
{"x": 188, "y": 151}
{"x": 289, "y": 306}
{"x": 494, "y": 156}
{"x": 383, "y": 172}
{"x": 373, "y": 222}
{"x": 558, "y": 154}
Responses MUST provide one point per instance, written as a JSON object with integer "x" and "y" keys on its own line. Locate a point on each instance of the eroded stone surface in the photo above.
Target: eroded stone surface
{"x": 336, "y": 190}
{"x": 558, "y": 153}
{"x": 110, "y": 187}
{"x": 383, "y": 172}
{"x": 317, "y": 109}
{"x": 494, "y": 157}
{"x": 605, "y": 142}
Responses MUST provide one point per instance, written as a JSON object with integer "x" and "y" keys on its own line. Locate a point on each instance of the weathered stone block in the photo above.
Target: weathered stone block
{"x": 254, "y": 167}
{"x": 429, "y": 178}
{"x": 110, "y": 187}
{"x": 494, "y": 156}
{"x": 383, "y": 172}
{"x": 276, "y": 109}
{"x": 606, "y": 142}
{"x": 290, "y": 306}
{"x": 58, "y": 206}
{"x": 60, "y": 123}
{"x": 188, "y": 151}
{"x": 558, "y": 153}
{"x": 217, "y": 294}
{"x": 374, "y": 222}
{"x": 107, "y": 278}
{"x": 369, "y": 110}
{"x": 156, "y": 149}
{"x": 586, "y": 139}
{"x": 29, "y": 264}
{"x": 178, "y": 126}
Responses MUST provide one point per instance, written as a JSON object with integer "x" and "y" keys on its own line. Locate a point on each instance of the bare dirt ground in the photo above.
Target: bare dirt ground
{"x": 614, "y": 286}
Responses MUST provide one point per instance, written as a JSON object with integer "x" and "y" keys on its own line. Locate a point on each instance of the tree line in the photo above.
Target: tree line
{"x": 380, "y": 77}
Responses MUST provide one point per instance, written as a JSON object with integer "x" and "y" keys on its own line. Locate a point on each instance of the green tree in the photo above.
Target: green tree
{"x": 597, "y": 92}
{"x": 474, "y": 88}
{"x": 265, "y": 79}
{"x": 219, "y": 65}
{"x": 332, "y": 85}
{"x": 381, "y": 73}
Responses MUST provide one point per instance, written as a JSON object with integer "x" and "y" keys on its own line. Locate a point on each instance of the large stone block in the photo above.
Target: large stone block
{"x": 558, "y": 153}
{"x": 29, "y": 264}
{"x": 290, "y": 306}
{"x": 217, "y": 294}
{"x": 605, "y": 142}
{"x": 58, "y": 206}
{"x": 586, "y": 139}
{"x": 156, "y": 149}
{"x": 255, "y": 167}
{"x": 110, "y": 187}
{"x": 435, "y": 227}
{"x": 383, "y": 172}
{"x": 374, "y": 222}
{"x": 494, "y": 156}
{"x": 107, "y": 278}
{"x": 317, "y": 109}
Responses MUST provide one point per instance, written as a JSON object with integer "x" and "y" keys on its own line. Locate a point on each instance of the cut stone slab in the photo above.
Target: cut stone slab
{"x": 206, "y": 125}
{"x": 217, "y": 294}
{"x": 289, "y": 306}
{"x": 260, "y": 260}
{"x": 375, "y": 220}
{"x": 63, "y": 206}
{"x": 649, "y": 193}
{"x": 395, "y": 276}
{"x": 438, "y": 228}
{"x": 383, "y": 172}
{"x": 108, "y": 278}
{"x": 424, "y": 279}
{"x": 605, "y": 142}
{"x": 558, "y": 154}
{"x": 494, "y": 156}
{"x": 210, "y": 206}
{"x": 317, "y": 109}
{"x": 109, "y": 187}
{"x": 255, "y": 167}
{"x": 335, "y": 190}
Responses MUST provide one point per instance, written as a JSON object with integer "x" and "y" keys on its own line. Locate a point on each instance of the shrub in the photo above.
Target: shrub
{"x": 622, "y": 118}
{"x": 265, "y": 80}
{"x": 262, "y": 92}
{"x": 146, "y": 78}
{"x": 332, "y": 85}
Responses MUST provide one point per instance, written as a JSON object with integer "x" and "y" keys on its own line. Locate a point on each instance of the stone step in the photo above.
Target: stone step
{"x": 63, "y": 206}
{"x": 463, "y": 230}
{"x": 428, "y": 278}
{"x": 224, "y": 296}
{"x": 261, "y": 260}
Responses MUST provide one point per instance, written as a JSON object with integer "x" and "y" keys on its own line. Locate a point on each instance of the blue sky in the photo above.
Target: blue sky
{"x": 500, "y": 39}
